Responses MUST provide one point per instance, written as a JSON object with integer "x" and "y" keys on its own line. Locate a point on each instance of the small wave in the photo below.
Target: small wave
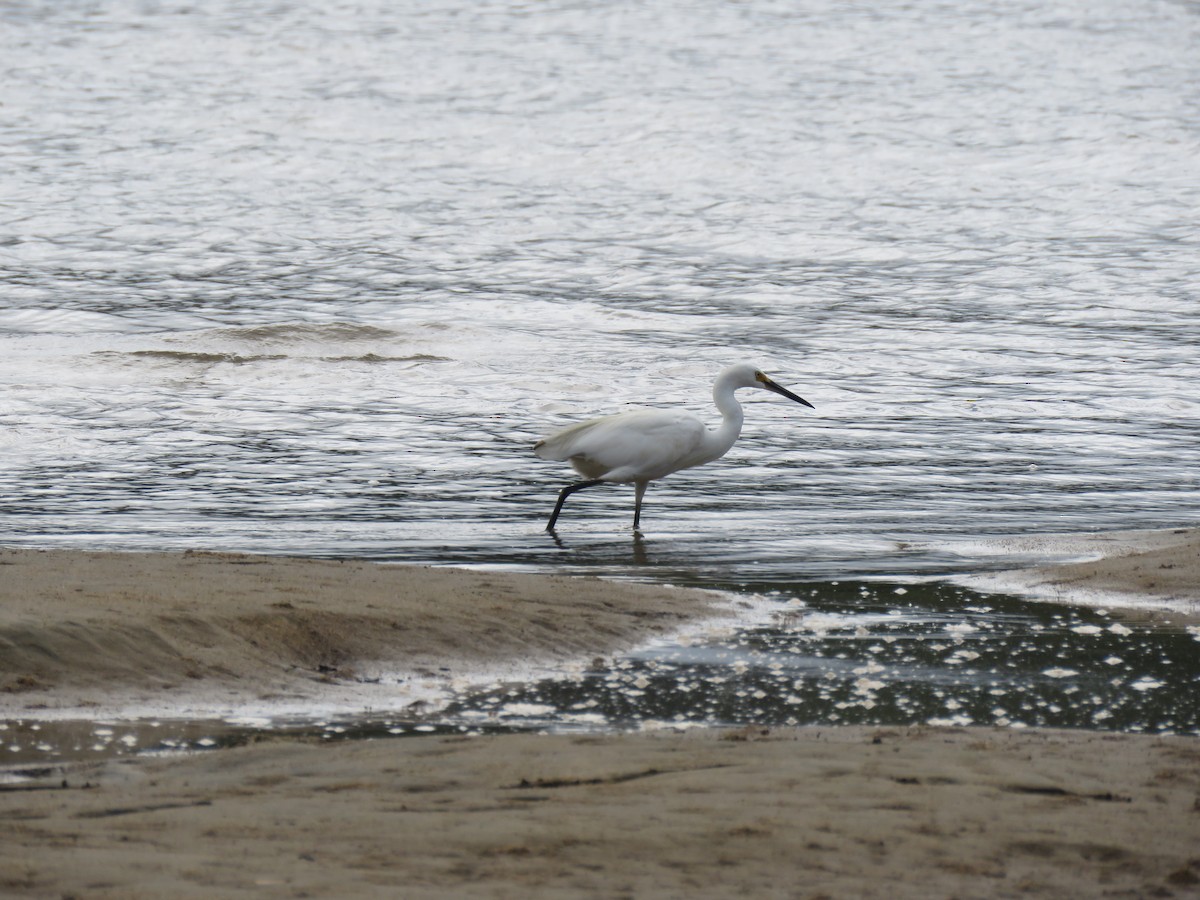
{"x": 305, "y": 333}
{"x": 187, "y": 356}
{"x": 376, "y": 358}
{"x": 207, "y": 358}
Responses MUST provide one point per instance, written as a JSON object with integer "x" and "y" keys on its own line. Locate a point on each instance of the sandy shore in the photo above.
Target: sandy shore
{"x": 1148, "y": 571}
{"x": 199, "y": 634}
{"x": 830, "y": 812}
{"x": 792, "y": 813}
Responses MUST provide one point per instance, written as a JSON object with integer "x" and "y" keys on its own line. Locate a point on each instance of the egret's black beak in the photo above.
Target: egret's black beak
{"x": 783, "y": 392}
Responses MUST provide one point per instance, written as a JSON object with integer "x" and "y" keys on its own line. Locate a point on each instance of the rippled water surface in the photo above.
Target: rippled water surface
{"x": 311, "y": 279}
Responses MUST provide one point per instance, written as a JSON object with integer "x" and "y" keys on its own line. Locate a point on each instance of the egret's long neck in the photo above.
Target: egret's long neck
{"x": 721, "y": 438}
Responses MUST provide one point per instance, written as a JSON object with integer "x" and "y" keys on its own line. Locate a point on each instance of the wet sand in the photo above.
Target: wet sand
{"x": 809, "y": 812}
{"x": 791, "y": 813}
{"x": 1138, "y": 570}
{"x": 201, "y": 634}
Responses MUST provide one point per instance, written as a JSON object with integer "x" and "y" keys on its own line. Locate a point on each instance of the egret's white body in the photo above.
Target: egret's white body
{"x": 643, "y": 445}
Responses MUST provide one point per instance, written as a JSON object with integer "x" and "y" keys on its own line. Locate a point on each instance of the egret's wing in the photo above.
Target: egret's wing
{"x": 639, "y": 444}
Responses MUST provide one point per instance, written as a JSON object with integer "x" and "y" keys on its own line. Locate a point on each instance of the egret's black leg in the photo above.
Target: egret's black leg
{"x": 562, "y": 498}
{"x": 640, "y": 488}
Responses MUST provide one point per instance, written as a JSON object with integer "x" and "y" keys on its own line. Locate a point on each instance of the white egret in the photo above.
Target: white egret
{"x": 646, "y": 444}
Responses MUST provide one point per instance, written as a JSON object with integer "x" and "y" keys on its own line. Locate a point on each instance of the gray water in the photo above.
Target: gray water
{"x": 311, "y": 278}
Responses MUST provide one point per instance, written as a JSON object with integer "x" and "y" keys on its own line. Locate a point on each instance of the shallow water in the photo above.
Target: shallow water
{"x": 311, "y": 280}
{"x": 877, "y": 654}
{"x": 862, "y": 653}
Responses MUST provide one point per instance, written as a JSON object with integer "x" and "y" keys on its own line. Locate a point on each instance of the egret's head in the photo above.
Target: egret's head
{"x": 764, "y": 381}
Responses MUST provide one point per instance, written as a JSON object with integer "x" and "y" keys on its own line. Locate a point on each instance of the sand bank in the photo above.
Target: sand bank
{"x": 200, "y": 634}
{"x": 805, "y": 813}
{"x": 1152, "y": 571}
